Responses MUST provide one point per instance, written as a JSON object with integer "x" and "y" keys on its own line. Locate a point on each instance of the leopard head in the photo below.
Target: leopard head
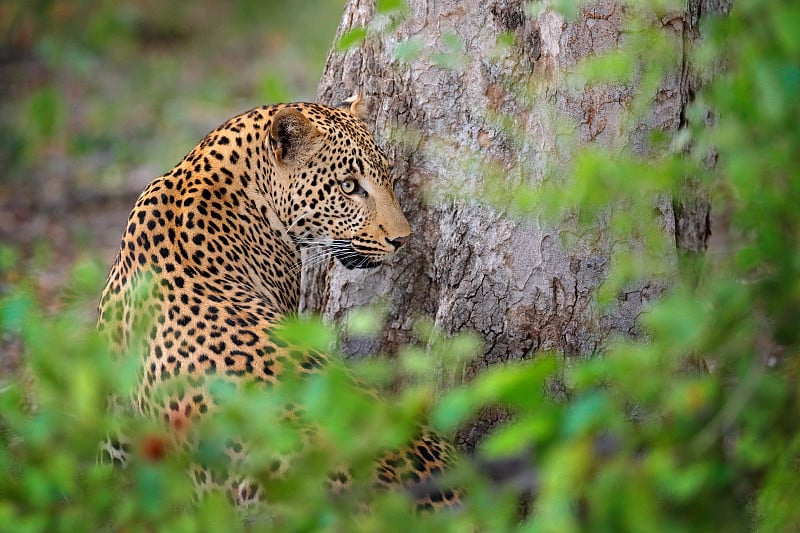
{"x": 332, "y": 186}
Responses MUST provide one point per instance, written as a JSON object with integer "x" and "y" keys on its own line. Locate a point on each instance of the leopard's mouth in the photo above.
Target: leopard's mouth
{"x": 350, "y": 258}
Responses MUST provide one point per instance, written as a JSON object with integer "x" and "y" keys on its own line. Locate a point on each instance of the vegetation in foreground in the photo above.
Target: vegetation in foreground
{"x": 694, "y": 428}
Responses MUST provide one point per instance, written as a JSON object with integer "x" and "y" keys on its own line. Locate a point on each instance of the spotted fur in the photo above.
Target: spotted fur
{"x": 209, "y": 263}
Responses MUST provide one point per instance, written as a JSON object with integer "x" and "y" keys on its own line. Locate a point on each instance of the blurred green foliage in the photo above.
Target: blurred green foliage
{"x": 88, "y": 82}
{"x": 694, "y": 427}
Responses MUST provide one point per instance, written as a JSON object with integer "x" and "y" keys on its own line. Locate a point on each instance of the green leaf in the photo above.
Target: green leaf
{"x": 453, "y": 409}
{"x": 520, "y": 435}
{"x": 364, "y": 321}
{"x": 452, "y": 56}
{"x": 385, "y": 6}
{"x": 586, "y": 413}
{"x": 519, "y": 386}
{"x": 305, "y": 333}
{"x": 680, "y": 319}
{"x": 351, "y": 38}
{"x": 453, "y": 41}
{"x": 568, "y": 8}
{"x": 408, "y": 50}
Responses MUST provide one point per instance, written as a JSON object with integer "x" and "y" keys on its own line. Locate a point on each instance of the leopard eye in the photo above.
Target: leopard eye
{"x": 349, "y": 186}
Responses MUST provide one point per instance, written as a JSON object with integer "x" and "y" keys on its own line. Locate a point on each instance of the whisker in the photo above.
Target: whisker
{"x": 311, "y": 260}
{"x": 298, "y": 219}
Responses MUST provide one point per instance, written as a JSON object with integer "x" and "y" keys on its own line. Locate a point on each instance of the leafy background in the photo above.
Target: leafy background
{"x": 693, "y": 428}
{"x": 98, "y": 97}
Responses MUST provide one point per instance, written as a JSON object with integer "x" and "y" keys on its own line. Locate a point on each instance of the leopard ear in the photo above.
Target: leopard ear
{"x": 354, "y": 103}
{"x": 291, "y": 135}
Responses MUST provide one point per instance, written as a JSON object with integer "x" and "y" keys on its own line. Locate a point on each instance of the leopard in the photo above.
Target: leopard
{"x": 207, "y": 268}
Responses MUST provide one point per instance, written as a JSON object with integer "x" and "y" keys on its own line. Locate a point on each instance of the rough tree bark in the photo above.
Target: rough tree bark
{"x": 467, "y": 265}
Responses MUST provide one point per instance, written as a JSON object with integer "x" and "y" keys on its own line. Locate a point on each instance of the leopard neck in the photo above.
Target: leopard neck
{"x": 228, "y": 233}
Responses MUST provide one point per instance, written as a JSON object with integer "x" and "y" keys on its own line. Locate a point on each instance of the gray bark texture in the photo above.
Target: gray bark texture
{"x": 467, "y": 265}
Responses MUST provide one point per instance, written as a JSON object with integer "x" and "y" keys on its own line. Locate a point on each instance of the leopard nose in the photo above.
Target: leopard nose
{"x": 397, "y": 242}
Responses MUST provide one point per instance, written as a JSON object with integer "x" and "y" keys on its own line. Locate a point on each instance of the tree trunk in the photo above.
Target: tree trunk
{"x": 467, "y": 265}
